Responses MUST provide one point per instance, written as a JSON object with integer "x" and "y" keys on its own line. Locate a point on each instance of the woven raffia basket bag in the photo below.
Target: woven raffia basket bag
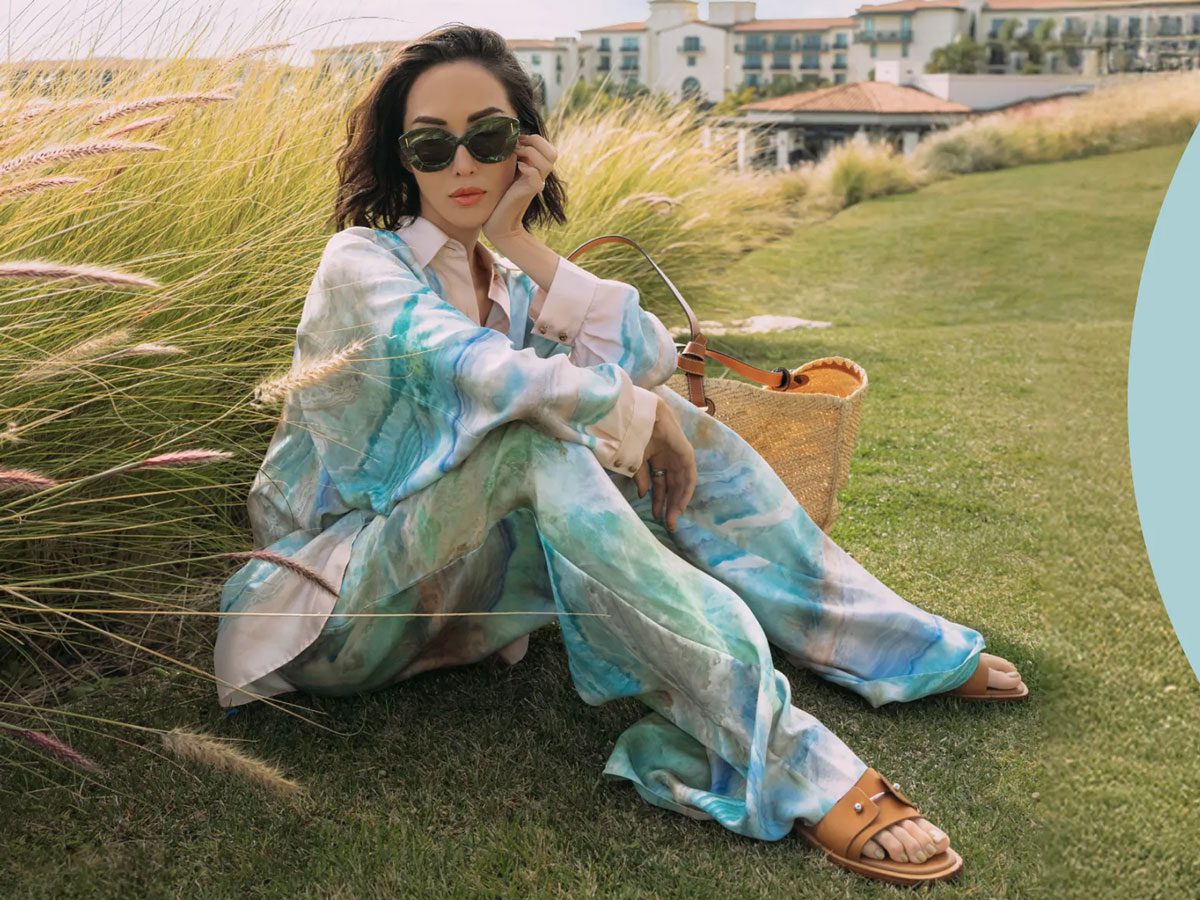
{"x": 802, "y": 421}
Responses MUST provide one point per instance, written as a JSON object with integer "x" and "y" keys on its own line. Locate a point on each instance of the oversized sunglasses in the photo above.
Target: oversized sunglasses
{"x": 490, "y": 140}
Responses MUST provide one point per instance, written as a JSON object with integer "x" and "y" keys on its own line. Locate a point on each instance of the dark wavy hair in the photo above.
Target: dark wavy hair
{"x": 374, "y": 189}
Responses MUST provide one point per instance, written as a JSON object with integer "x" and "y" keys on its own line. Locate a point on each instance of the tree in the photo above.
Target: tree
{"x": 962, "y": 55}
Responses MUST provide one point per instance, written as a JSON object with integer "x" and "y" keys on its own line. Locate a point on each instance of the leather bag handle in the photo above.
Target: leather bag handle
{"x": 692, "y": 358}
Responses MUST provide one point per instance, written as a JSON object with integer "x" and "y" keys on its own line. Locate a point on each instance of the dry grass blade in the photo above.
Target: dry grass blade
{"x": 218, "y": 754}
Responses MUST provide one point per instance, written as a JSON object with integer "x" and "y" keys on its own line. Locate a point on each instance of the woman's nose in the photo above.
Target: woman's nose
{"x": 463, "y": 160}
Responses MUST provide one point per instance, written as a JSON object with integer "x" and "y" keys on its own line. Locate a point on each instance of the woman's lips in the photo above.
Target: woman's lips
{"x": 468, "y": 199}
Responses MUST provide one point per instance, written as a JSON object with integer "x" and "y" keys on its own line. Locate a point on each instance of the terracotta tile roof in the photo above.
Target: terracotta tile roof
{"x": 997, "y": 5}
{"x": 793, "y": 24}
{"x": 624, "y": 26}
{"x": 908, "y": 6}
{"x": 859, "y": 96}
{"x": 531, "y": 44}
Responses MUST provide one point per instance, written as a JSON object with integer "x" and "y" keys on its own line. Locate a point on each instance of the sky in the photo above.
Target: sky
{"x": 56, "y": 29}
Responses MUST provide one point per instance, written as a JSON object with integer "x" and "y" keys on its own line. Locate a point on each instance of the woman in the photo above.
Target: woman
{"x": 493, "y": 435}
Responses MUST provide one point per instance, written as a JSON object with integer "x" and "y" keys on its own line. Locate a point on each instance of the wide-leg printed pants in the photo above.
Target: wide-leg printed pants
{"x": 686, "y": 617}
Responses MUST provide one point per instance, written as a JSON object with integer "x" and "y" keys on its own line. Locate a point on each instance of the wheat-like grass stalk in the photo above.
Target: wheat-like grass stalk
{"x": 182, "y": 458}
{"x": 276, "y": 390}
{"x": 34, "y": 110}
{"x": 11, "y": 434}
{"x": 159, "y": 101}
{"x": 149, "y": 348}
{"x": 55, "y": 747}
{"x": 25, "y": 480}
{"x": 86, "y": 351}
{"x": 280, "y": 560}
{"x": 24, "y": 188}
{"x": 68, "y": 152}
{"x": 215, "y": 753}
{"x": 45, "y": 270}
{"x": 251, "y": 51}
{"x": 139, "y": 123}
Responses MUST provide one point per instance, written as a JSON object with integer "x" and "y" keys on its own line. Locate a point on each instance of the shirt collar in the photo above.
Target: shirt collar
{"x": 426, "y": 240}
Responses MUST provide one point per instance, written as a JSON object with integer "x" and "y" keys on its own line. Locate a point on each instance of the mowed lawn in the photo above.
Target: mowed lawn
{"x": 990, "y": 484}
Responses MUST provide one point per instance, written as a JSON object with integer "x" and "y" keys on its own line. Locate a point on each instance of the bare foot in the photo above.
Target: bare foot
{"x": 911, "y": 840}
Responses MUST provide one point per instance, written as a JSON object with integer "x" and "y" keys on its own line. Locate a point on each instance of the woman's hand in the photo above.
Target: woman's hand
{"x": 668, "y": 448}
{"x": 535, "y": 160}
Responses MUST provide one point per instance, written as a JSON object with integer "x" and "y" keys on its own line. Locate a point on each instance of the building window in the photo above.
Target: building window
{"x": 753, "y": 61}
{"x": 691, "y": 43}
{"x": 839, "y": 77}
{"x": 872, "y": 51}
{"x": 752, "y": 80}
{"x": 904, "y": 49}
{"x": 603, "y": 65}
{"x": 839, "y": 40}
{"x": 604, "y": 44}
{"x": 691, "y": 60}
{"x": 535, "y": 59}
{"x": 629, "y": 44}
{"x": 781, "y": 61}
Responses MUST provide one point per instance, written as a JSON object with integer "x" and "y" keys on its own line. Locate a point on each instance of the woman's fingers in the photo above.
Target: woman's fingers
{"x": 642, "y": 479}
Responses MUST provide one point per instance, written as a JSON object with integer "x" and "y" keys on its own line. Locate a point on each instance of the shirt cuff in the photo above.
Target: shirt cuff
{"x": 625, "y": 432}
{"x": 559, "y": 313}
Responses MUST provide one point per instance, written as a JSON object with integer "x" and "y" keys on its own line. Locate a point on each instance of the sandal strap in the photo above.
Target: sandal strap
{"x": 977, "y": 683}
{"x": 871, "y": 805}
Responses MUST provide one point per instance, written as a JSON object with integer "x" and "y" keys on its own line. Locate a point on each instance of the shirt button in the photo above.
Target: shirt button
{"x": 633, "y": 470}
{"x": 618, "y": 464}
{"x": 562, "y": 336}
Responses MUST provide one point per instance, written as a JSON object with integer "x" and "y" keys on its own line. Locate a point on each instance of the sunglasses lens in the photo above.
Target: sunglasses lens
{"x": 493, "y": 142}
{"x": 431, "y": 152}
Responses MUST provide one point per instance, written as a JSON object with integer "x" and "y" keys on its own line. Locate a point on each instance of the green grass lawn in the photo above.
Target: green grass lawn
{"x": 990, "y": 484}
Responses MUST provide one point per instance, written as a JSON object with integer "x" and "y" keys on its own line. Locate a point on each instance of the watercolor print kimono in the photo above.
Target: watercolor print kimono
{"x": 457, "y": 469}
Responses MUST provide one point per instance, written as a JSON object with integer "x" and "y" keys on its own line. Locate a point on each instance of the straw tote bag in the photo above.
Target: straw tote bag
{"x": 802, "y": 421}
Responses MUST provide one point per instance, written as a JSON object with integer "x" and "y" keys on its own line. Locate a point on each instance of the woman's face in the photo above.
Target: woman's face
{"x": 454, "y": 96}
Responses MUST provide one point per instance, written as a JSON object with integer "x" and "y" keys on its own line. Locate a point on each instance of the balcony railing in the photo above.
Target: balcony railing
{"x": 781, "y": 64}
{"x": 688, "y": 48}
{"x": 839, "y": 65}
{"x": 878, "y": 37}
{"x": 810, "y": 64}
{"x": 751, "y": 64}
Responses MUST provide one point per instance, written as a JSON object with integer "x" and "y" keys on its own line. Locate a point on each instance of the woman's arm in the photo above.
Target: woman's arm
{"x": 600, "y": 319}
{"x": 430, "y": 383}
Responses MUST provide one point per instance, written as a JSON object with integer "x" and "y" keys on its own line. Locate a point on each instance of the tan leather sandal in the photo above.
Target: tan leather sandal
{"x": 871, "y": 805}
{"x": 976, "y": 687}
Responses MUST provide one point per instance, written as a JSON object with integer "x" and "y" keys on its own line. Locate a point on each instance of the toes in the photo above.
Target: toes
{"x": 939, "y": 838}
{"x": 891, "y": 844}
{"x": 998, "y": 662}
{"x": 873, "y": 850}
{"x": 1003, "y": 680}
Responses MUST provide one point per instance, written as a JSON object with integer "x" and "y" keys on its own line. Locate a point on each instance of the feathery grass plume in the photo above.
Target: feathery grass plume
{"x": 23, "y": 188}
{"x": 651, "y": 199}
{"x": 34, "y": 110}
{"x": 85, "y": 351}
{"x": 156, "y": 102}
{"x": 276, "y": 390}
{"x": 149, "y": 348}
{"x": 11, "y": 434}
{"x": 182, "y": 458}
{"x": 140, "y": 123}
{"x": 55, "y": 747}
{"x": 68, "y": 152}
{"x": 25, "y": 480}
{"x": 251, "y": 51}
{"x": 45, "y": 270}
{"x": 211, "y": 751}
{"x": 280, "y": 560}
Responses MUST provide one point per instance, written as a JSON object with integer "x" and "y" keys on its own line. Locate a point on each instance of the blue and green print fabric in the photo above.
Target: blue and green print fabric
{"x": 449, "y": 468}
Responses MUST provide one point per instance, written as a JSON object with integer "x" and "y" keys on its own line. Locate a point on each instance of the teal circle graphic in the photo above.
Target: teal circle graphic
{"x": 1164, "y": 409}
